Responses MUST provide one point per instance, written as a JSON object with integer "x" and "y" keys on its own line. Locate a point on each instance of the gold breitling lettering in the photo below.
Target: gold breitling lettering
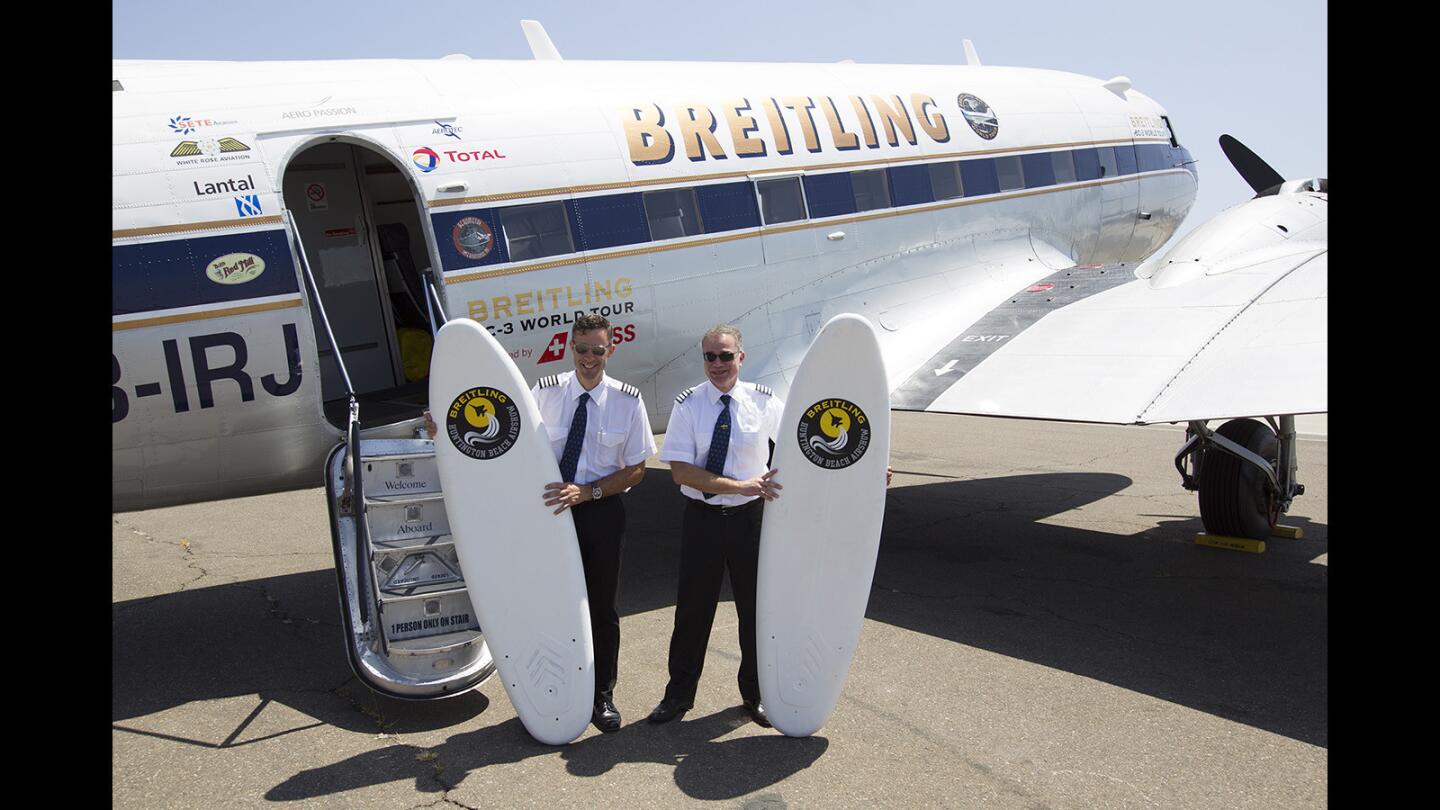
{"x": 844, "y": 141}
{"x": 893, "y": 116}
{"x": 802, "y": 105}
{"x": 740, "y": 128}
{"x": 777, "y": 126}
{"x": 867, "y": 127}
{"x": 935, "y": 127}
{"x": 646, "y": 135}
{"x": 697, "y": 129}
{"x": 531, "y": 302}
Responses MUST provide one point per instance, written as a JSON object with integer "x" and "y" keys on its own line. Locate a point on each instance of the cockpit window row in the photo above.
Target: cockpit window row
{"x": 542, "y": 230}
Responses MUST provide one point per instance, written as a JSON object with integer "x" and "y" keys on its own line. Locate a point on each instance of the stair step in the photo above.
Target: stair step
{"x": 410, "y": 571}
{"x": 392, "y": 467}
{"x": 404, "y": 518}
{"x": 426, "y": 615}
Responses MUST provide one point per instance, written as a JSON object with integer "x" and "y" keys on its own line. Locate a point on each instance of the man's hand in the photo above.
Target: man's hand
{"x": 564, "y": 495}
{"x": 430, "y": 427}
{"x": 888, "y": 473}
{"x": 763, "y": 486}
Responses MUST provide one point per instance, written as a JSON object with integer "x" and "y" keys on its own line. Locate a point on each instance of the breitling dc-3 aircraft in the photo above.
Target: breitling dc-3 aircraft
{"x": 287, "y": 236}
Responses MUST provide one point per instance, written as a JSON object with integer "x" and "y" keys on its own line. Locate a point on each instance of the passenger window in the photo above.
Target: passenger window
{"x": 1108, "y": 166}
{"x": 536, "y": 231}
{"x": 871, "y": 190}
{"x": 1064, "y": 167}
{"x": 781, "y": 200}
{"x": 1011, "y": 176}
{"x": 945, "y": 180}
{"x": 673, "y": 213}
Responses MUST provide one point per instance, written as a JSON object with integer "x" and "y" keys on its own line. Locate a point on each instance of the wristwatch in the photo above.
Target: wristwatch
{"x": 595, "y": 493}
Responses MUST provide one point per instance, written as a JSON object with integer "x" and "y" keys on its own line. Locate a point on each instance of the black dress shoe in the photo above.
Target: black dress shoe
{"x": 670, "y": 709}
{"x": 606, "y": 717}
{"x": 757, "y": 713}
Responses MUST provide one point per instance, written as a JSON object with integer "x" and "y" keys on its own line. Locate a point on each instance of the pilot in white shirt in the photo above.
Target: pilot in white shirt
{"x": 719, "y": 445}
{"x": 600, "y": 458}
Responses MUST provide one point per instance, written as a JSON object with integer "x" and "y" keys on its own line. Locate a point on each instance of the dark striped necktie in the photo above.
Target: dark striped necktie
{"x": 719, "y": 441}
{"x": 573, "y": 442}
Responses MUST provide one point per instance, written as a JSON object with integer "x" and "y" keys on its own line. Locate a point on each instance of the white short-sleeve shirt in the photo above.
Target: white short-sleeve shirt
{"x": 754, "y": 423}
{"x": 617, "y": 432}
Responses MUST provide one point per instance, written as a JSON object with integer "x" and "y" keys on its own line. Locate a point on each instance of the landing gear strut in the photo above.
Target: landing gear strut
{"x": 1245, "y": 473}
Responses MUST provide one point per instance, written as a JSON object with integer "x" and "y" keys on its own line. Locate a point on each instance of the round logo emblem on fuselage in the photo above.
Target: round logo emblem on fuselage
{"x": 979, "y": 116}
{"x": 483, "y": 423}
{"x": 833, "y": 433}
{"x": 473, "y": 237}
{"x": 425, "y": 159}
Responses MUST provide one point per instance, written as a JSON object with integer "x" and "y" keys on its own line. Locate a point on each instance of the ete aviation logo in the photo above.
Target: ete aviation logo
{"x": 483, "y": 423}
{"x": 834, "y": 433}
{"x": 426, "y": 159}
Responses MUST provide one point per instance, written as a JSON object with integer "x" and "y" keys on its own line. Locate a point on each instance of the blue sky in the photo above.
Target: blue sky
{"x": 1255, "y": 70}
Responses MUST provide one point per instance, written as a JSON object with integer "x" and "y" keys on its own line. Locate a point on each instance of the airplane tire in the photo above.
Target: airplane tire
{"x": 1236, "y": 499}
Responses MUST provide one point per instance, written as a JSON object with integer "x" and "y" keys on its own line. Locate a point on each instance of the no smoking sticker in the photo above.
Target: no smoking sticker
{"x": 316, "y": 197}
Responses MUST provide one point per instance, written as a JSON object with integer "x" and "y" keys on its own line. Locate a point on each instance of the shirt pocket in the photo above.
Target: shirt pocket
{"x": 748, "y": 429}
{"x": 558, "y": 435}
{"x": 610, "y": 451}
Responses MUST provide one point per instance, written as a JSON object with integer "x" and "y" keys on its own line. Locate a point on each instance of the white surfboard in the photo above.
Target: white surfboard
{"x": 819, "y": 540}
{"x": 521, "y": 562}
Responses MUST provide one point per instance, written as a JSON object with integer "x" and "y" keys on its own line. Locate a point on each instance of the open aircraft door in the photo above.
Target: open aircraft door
{"x": 410, "y": 630}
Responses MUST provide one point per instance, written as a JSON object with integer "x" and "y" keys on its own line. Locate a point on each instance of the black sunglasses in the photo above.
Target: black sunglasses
{"x": 711, "y": 357}
{"x": 598, "y": 350}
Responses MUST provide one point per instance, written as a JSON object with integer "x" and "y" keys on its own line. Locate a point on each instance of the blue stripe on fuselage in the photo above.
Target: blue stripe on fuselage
{"x": 170, "y": 274}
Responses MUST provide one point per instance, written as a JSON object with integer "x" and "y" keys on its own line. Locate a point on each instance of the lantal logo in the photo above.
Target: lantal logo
{"x": 483, "y": 423}
{"x": 979, "y": 116}
{"x": 248, "y": 206}
{"x": 235, "y": 268}
{"x": 834, "y": 433}
{"x": 472, "y": 237}
{"x": 425, "y": 159}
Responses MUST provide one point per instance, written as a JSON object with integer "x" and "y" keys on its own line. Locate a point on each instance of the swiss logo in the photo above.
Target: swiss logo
{"x": 555, "y": 350}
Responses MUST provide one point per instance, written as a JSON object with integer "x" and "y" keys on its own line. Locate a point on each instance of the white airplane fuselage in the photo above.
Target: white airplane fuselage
{"x": 658, "y": 194}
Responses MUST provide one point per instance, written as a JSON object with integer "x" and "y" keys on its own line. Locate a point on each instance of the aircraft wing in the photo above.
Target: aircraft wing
{"x": 1095, "y": 344}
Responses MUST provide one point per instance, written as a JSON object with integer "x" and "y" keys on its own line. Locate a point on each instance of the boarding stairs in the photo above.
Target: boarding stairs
{"x": 413, "y": 631}
{"x": 409, "y": 626}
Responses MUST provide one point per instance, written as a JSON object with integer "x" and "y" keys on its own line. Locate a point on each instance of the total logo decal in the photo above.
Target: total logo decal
{"x": 427, "y": 159}
{"x": 555, "y": 349}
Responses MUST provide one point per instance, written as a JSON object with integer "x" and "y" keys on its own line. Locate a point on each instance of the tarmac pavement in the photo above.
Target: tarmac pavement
{"x": 1042, "y": 632}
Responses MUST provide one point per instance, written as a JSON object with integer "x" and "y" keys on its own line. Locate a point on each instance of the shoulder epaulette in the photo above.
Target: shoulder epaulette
{"x": 549, "y": 382}
{"x": 684, "y": 395}
{"x": 762, "y": 389}
{"x": 623, "y": 387}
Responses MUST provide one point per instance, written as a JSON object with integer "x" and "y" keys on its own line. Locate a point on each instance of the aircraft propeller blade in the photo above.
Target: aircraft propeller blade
{"x": 1255, "y": 171}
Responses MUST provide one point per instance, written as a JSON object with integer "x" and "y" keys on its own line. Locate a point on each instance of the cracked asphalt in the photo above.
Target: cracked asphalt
{"x": 1042, "y": 633}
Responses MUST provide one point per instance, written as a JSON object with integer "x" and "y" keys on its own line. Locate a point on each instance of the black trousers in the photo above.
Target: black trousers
{"x": 600, "y": 527}
{"x": 711, "y": 541}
